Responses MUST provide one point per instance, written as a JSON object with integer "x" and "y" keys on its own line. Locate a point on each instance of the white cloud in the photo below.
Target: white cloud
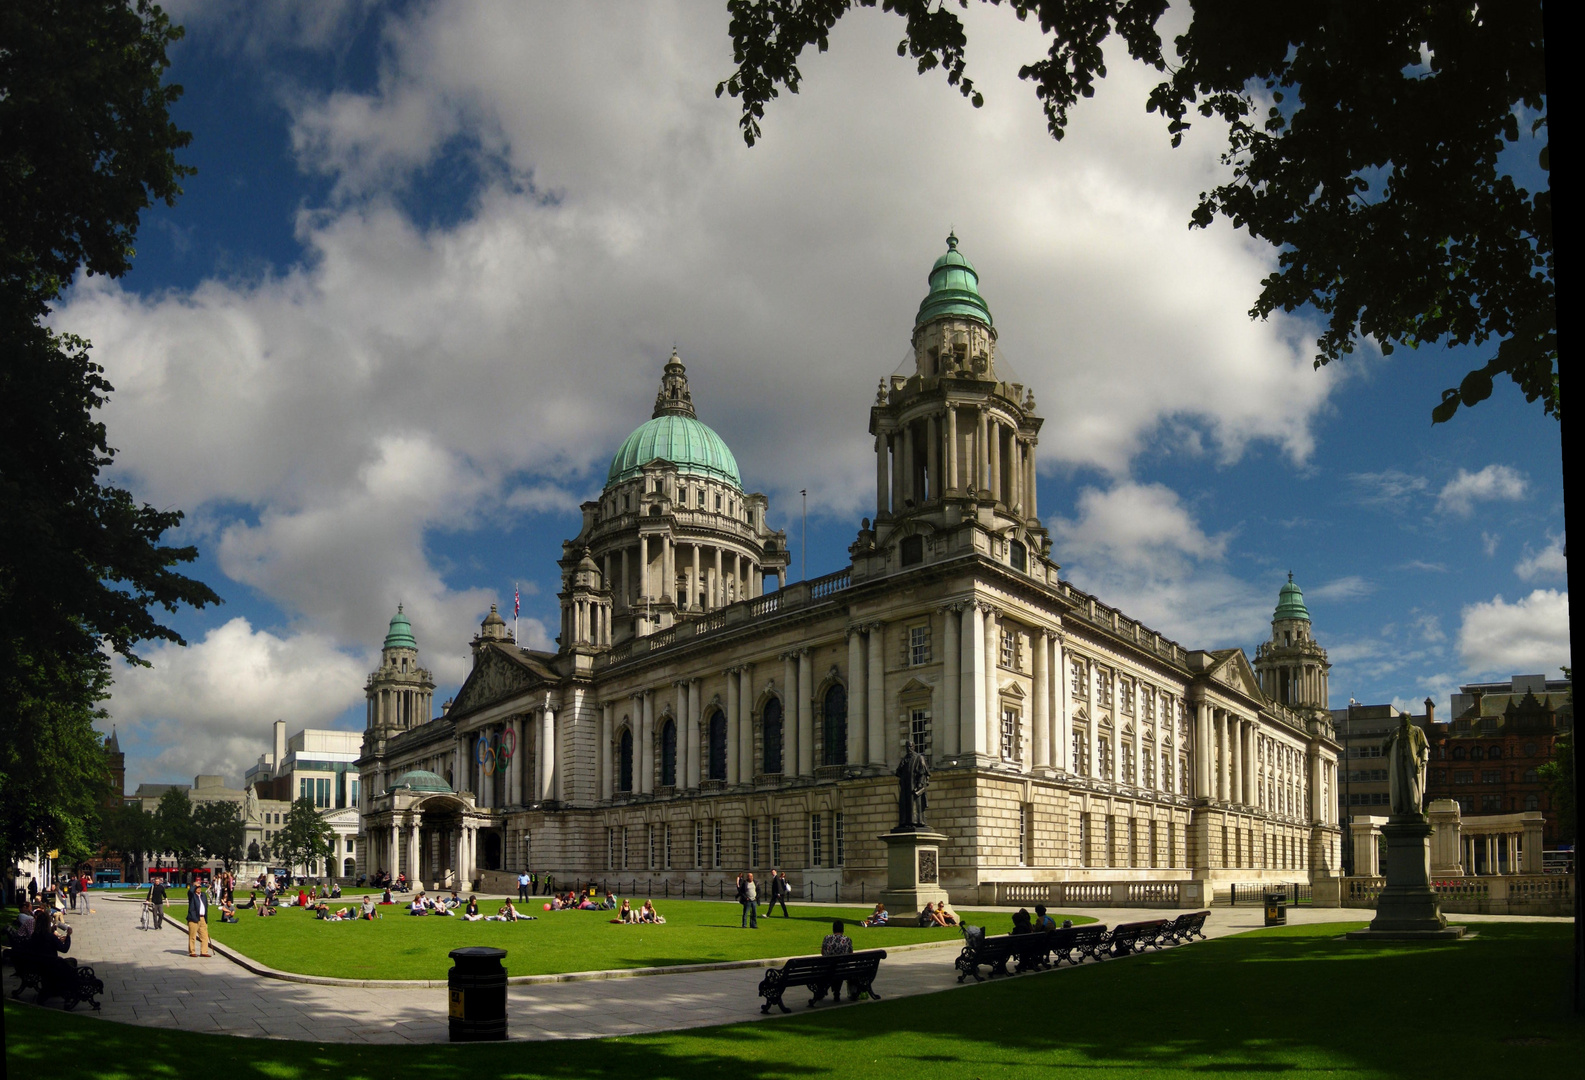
{"x": 1350, "y": 587}
{"x": 1493, "y": 483}
{"x": 1390, "y": 487}
{"x": 1137, "y": 547}
{"x": 1550, "y": 563}
{"x": 1489, "y": 543}
{"x": 1497, "y": 638}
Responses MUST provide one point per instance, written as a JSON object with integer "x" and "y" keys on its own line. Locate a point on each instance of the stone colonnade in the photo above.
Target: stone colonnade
{"x": 912, "y": 461}
{"x": 715, "y": 575}
{"x": 425, "y": 852}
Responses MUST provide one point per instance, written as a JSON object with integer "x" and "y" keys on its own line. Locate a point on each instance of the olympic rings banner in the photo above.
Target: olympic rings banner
{"x": 495, "y": 753}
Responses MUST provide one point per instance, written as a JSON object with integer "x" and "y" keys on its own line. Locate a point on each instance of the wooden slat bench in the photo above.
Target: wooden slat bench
{"x": 824, "y": 975}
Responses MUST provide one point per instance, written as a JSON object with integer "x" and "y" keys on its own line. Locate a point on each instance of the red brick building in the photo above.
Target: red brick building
{"x": 1488, "y": 756}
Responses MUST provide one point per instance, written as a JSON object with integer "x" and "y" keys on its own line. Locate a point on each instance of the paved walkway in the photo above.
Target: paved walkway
{"x": 149, "y": 979}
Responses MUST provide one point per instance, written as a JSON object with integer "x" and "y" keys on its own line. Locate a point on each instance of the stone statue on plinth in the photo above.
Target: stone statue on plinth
{"x": 913, "y": 777}
{"x": 251, "y": 803}
{"x": 1407, "y": 750}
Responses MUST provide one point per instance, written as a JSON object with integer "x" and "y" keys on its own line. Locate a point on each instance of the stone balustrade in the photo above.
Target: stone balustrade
{"x": 1508, "y": 894}
{"x": 1163, "y": 894}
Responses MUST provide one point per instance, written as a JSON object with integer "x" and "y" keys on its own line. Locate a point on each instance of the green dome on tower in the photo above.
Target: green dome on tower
{"x": 676, "y": 434}
{"x": 423, "y": 780}
{"x": 954, "y": 289}
{"x": 400, "y": 635}
{"x": 1290, "y": 603}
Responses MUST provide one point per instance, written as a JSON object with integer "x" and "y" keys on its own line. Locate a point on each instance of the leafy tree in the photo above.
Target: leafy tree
{"x": 174, "y": 834}
{"x": 1558, "y": 775}
{"x": 128, "y": 833}
{"x": 86, "y": 144}
{"x": 1371, "y": 142}
{"x": 219, "y": 831}
{"x": 304, "y": 837}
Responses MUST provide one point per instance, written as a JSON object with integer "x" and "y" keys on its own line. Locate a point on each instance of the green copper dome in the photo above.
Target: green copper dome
{"x": 400, "y": 635}
{"x": 954, "y": 289}
{"x": 684, "y": 441}
{"x": 1290, "y": 603}
{"x": 423, "y": 780}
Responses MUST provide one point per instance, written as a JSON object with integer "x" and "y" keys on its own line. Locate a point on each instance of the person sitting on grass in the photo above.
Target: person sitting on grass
{"x": 940, "y": 916}
{"x": 228, "y": 911}
{"x": 624, "y": 913}
{"x": 649, "y": 915}
{"x": 454, "y": 900}
{"x": 368, "y": 907}
{"x": 335, "y": 890}
{"x": 505, "y": 913}
{"x": 253, "y": 900}
{"x": 419, "y": 906}
{"x": 609, "y": 904}
{"x": 385, "y": 897}
{"x": 879, "y": 916}
{"x": 588, "y": 903}
{"x": 471, "y": 913}
{"x": 266, "y": 910}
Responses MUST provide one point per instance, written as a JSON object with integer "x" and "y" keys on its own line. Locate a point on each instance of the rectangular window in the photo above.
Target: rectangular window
{"x": 354, "y": 793}
{"x": 698, "y": 844}
{"x": 305, "y": 788}
{"x": 322, "y": 792}
{"x": 610, "y": 848}
{"x": 1125, "y": 695}
{"x": 1172, "y": 844}
{"x": 1111, "y": 840}
{"x": 918, "y": 645}
{"x": 649, "y": 837}
{"x": 919, "y": 730}
{"x": 753, "y": 841}
{"x": 1491, "y": 804}
{"x": 1491, "y": 776}
{"x": 1023, "y": 834}
{"x": 775, "y": 840}
{"x": 1147, "y": 701}
{"x": 624, "y": 847}
{"x": 1133, "y": 842}
{"x": 1128, "y": 763}
{"x": 1103, "y": 688}
{"x": 1149, "y": 761}
{"x": 716, "y": 827}
{"x": 837, "y": 839}
{"x": 667, "y": 830}
{"x": 1103, "y": 747}
{"x": 1183, "y": 777}
{"x": 1080, "y": 677}
{"x": 1009, "y": 657}
{"x": 1155, "y": 857}
{"x": 1086, "y": 840}
{"x": 1010, "y": 734}
{"x": 816, "y": 842}
{"x": 1463, "y": 776}
{"x": 1081, "y": 753}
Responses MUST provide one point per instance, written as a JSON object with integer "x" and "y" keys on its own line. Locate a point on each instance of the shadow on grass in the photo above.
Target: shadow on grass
{"x": 1296, "y": 1002}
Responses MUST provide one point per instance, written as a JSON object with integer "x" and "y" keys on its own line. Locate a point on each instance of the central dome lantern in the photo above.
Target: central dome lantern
{"x": 675, "y": 433}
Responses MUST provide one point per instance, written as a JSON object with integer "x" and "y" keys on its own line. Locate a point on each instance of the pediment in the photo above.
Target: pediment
{"x": 494, "y": 678}
{"x": 1232, "y": 670}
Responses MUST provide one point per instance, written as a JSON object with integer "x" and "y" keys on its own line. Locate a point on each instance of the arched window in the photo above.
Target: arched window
{"x": 717, "y": 755}
{"x": 1018, "y": 556}
{"x": 1458, "y": 753}
{"x": 836, "y": 726}
{"x": 668, "y": 755}
{"x": 1532, "y": 802}
{"x": 624, "y": 768}
{"x": 1476, "y": 753}
{"x": 771, "y": 731}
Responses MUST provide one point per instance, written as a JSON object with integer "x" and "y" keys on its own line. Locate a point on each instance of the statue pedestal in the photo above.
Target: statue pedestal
{"x": 1407, "y": 909}
{"x": 913, "y": 871}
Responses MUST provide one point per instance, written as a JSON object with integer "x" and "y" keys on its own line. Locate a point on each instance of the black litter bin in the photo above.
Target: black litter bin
{"x": 1276, "y": 911}
{"x": 476, "y": 986}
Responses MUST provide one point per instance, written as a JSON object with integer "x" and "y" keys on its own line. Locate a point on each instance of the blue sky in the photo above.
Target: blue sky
{"x": 435, "y": 254}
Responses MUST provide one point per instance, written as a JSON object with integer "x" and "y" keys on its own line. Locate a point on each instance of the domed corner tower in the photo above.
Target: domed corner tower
{"x": 673, "y": 535}
{"x": 1293, "y": 669}
{"x": 399, "y": 692}
{"x": 954, "y": 443}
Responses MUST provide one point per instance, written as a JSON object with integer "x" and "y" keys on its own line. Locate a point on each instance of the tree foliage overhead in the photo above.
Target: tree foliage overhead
{"x": 1372, "y": 141}
{"x": 86, "y": 144}
{"x": 304, "y": 837}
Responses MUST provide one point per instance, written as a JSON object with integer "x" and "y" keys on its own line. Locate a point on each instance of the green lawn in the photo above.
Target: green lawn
{"x": 400, "y": 946}
{"x": 1293, "y": 1002}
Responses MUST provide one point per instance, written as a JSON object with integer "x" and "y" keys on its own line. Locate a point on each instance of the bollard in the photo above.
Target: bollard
{"x": 1277, "y": 908}
{"x": 476, "y": 987}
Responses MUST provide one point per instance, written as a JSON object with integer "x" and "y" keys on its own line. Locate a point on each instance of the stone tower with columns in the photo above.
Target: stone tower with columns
{"x": 1293, "y": 669}
{"x": 400, "y": 694}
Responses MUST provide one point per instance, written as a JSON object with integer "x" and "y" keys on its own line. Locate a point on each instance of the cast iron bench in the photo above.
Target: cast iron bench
{"x": 1184, "y": 928}
{"x": 1089, "y": 940}
{"x": 70, "y": 981}
{"x": 1032, "y": 951}
{"x": 1134, "y": 937}
{"x": 824, "y": 975}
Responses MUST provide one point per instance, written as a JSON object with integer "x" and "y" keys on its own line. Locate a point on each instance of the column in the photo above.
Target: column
{"x": 515, "y": 766}
{"x": 718, "y": 587}
{"x": 1031, "y": 512}
{"x": 993, "y": 433}
{"x": 465, "y": 855}
{"x": 933, "y": 458}
{"x": 1039, "y": 723}
{"x": 1202, "y": 750}
{"x": 1235, "y": 762}
{"x": 990, "y": 734}
{"x": 745, "y": 741}
{"x": 1062, "y": 752}
{"x": 954, "y": 482}
{"x": 681, "y": 778}
{"x": 880, "y": 749}
{"x": 693, "y": 582}
{"x": 607, "y": 775}
{"x": 971, "y": 722}
{"x": 907, "y": 470}
{"x": 692, "y": 727}
{"x": 646, "y": 746}
{"x": 643, "y": 568}
{"x": 622, "y": 590}
{"x": 806, "y": 714}
{"x": 1317, "y": 800}
{"x": 793, "y": 748}
{"x": 951, "y": 674}
{"x": 547, "y": 753}
{"x": 394, "y": 852}
{"x": 882, "y": 479}
{"x": 731, "y": 726}
{"x": 858, "y": 699}
{"x": 668, "y": 575}
{"x": 894, "y": 440}
{"x": 980, "y": 452}
{"x": 1224, "y": 788}
{"x": 413, "y": 864}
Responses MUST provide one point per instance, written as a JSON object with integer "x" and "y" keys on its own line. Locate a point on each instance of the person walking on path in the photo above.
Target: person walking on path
{"x": 73, "y": 886}
{"x": 778, "y": 888}
{"x": 157, "y": 901}
{"x": 197, "y": 920}
{"x": 748, "y": 896}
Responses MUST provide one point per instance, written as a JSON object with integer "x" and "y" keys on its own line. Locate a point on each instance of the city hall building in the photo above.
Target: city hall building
{"x": 693, "y": 724}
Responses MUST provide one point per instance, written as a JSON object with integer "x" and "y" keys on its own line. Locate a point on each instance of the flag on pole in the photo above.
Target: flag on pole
{"x": 516, "y": 601}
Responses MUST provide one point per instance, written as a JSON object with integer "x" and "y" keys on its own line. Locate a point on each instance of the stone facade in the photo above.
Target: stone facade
{"x": 692, "y": 725}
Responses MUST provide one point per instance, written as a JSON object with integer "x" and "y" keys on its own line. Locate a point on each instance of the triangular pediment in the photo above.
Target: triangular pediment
{"x": 494, "y": 678}
{"x": 1232, "y": 670}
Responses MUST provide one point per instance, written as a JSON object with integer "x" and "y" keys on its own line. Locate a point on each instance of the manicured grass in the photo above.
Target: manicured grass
{"x": 400, "y": 946}
{"x": 1294, "y": 1002}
